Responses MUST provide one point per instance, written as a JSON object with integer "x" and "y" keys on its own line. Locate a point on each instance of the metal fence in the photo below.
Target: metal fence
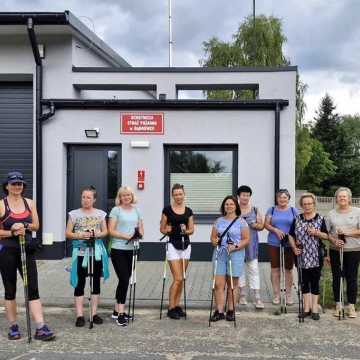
{"x": 326, "y": 203}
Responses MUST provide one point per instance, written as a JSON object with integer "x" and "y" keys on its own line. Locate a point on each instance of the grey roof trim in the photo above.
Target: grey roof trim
{"x": 65, "y": 18}
{"x": 217, "y": 87}
{"x": 185, "y": 69}
{"x": 267, "y": 104}
{"x": 40, "y": 18}
{"x": 121, "y": 87}
{"x": 84, "y": 31}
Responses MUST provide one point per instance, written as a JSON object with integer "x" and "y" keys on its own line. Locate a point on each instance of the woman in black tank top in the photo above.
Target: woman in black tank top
{"x": 178, "y": 223}
{"x": 18, "y": 216}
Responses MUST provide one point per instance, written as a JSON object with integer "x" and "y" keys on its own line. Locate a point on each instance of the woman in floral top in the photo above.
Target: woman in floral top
{"x": 306, "y": 233}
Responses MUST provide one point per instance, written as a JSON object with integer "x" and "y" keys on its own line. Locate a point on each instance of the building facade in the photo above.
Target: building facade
{"x": 74, "y": 113}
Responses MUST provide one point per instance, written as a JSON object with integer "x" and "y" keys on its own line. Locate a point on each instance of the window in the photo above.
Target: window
{"x": 208, "y": 173}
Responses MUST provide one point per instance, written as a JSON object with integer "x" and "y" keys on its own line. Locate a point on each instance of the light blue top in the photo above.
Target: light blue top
{"x": 233, "y": 234}
{"x": 281, "y": 219}
{"x": 126, "y": 222}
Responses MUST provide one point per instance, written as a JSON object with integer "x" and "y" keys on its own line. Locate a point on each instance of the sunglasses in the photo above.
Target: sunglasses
{"x": 17, "y": 184}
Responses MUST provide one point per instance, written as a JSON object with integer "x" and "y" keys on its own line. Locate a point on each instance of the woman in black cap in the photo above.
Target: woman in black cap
{"x": 18, "y": 216}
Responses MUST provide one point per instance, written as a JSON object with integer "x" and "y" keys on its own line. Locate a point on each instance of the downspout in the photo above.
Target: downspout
{"x": 39, "y": 117}
{"x": 277, "y": 151}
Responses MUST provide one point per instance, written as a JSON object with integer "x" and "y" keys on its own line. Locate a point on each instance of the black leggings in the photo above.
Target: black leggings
{"x": 83, "y": 273}
{"x": 122, "y": 260}
{"x": 10, "y": 262}
{"x": 311, "y": 281}
{"x": 351, "y": 265}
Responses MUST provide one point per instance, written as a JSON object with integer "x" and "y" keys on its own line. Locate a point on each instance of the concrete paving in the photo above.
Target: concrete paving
{"x": 55, "y": 289}
{"x": 257, "y": 336}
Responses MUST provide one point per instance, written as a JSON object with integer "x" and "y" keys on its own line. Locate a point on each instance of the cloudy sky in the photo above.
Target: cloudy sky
{"x": 323, "y": 35}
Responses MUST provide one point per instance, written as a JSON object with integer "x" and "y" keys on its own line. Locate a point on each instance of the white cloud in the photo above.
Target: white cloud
{"x": 323, "y": 35}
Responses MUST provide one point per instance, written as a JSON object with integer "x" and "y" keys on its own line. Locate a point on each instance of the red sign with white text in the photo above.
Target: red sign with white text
{"x": 142, "y": 123}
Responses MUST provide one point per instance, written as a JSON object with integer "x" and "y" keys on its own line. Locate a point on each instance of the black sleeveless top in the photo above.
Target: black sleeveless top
{"x": 175, "y": 220}
{"x": 9, "y": 219}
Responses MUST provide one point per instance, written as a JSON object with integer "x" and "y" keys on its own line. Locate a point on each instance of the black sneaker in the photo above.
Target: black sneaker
{"x": 305, "y": 314}
{"x": 315, "y": 316}
{"x": 128, "y": 317}
{"x": 114, "y": 315}
{"x": 230, "y": 315}
{"x": 173, "y": 314}
{"x": 14, "y": 332}
{"x": 217, "y": 316}
{"x": 180, "y": 311}
{"x": 80, "y": 321}
{"x": 121, "y": 320}
{"x": 97, "y": 319}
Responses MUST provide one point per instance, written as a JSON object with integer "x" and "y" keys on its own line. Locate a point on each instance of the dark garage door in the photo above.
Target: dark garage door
{"x": 16, "y": 131}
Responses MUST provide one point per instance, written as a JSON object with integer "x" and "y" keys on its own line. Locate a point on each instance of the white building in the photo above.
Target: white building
{"x": 48, "y": 98}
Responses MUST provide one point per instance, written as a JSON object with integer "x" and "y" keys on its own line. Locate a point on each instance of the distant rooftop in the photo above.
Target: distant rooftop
{"x": 59, "y": 22}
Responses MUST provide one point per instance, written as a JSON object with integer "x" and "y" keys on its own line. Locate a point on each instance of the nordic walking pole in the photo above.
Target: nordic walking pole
{"x": 282, "y": 247}
{"x": 299, "y": 290}
{"x": 213, "y": 283}
{"x": 281, "y": 281}
{"x": 232, "y": 287}
{"x": 91, "y": 276}
{"x": 184, "y": 270}
{"x": 136, "y": 246}
{"x": 131, "y": 279}
{"x": 164, "y": 275}
{"x": 323, "y": 294}
{"x": 342, "y": 310}
{"x": 341, "y": 295}
{"x": 26, "y": 285}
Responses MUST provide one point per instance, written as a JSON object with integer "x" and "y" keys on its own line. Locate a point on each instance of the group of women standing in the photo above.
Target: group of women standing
{"x": 234, "y": 236}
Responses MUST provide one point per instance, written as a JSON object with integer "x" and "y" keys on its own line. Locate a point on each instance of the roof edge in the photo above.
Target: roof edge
{"x": 65, "y": 18}
{"x": 263, "y": 104}
{"x": 186, "y": 69}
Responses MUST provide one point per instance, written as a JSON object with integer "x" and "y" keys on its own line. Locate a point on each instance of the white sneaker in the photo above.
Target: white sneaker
{"x": 242, "y": 300}
{"x": 276, "y": 300}
{"x": 351, "y": 312}
{"x": 259, "y": 304}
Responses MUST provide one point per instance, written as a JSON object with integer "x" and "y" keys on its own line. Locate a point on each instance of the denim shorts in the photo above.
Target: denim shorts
{"x": 237, "y": 262}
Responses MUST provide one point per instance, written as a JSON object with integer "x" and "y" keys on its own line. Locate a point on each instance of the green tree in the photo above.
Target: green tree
{"x": 349, "y": 159}
{"x": 270, "y": 40}
{"x": 326, "y": 127}
{"x": 241, "y": 52}
{"x": 319, "y": 167}
{"x": 338, "y": 138}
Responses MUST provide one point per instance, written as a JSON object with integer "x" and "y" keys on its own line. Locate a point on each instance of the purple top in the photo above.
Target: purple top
{"x": 281, "y": 219}
{"x": 251, "y": 251}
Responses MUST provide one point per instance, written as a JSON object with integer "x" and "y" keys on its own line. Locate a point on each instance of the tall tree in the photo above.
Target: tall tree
{"x": 240, "y": 52}
{"x": 349, "y": 161}
{"x": 319, "y": 168}
{"x": 270, "y": 39}
{"x": 326, "y": 127}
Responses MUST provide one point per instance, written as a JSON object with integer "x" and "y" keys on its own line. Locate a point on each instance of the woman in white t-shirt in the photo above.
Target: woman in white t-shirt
{"x": 85, "y": 225}
{"x": 125, "y": 220}
{"x": 343, "y": 224}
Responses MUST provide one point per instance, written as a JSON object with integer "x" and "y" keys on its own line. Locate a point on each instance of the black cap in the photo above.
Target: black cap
{"x": 14, "y": 177}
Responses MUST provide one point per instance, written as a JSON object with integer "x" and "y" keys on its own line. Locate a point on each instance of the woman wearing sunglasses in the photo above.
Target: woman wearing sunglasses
{"x": 18, "y": 216}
